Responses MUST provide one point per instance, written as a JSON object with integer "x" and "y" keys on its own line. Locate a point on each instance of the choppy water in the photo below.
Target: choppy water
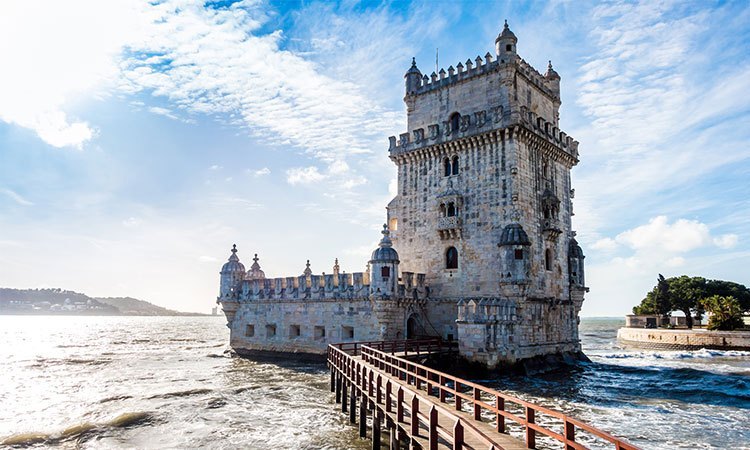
{"x": 126, "y": 382}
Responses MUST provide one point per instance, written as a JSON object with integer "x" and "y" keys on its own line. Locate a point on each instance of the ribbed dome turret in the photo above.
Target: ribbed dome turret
{"x": 255, "y": 273}
{"x": 385, "y": 251}
{"x": 514, "y": 234}
{"x": 233, "y": 265}
{"x": 575, "y": 250}
{"x": 506, "y": 34}
{"x": 551, "y": 74}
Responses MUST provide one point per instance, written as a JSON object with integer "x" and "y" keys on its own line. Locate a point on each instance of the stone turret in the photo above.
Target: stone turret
{"x": 255, "y": 273}
{"x": 553, "y": 79}
{"x": 575, "y": 264}
{"x": 505, "y": 45}
{"x": 232, "y": 274}
{"x": 413, "y": 78}
{"x": 384, "y": 267}
{"x": 516, "y": 259}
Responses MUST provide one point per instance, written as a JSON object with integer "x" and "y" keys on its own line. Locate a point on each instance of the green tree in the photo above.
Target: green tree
{"x": 726, "y": 312}
{"x": 685, "y": 294}
{"x": 657, "y": 301}
{"x": 730, "y": 289}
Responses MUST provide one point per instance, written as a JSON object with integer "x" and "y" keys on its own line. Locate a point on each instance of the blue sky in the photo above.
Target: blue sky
{"x": 138, "y": 141}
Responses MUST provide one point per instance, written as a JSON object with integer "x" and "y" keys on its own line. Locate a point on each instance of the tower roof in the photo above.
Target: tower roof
{"x": 514, "y": 234}
{"x": 506, "y": 34}
{"x": 233, "y": 265}
{"x": 255, "y": 273}
{"x": 385, "y": 251}
{"x": 413, "y": 69}
{"x": 575, "y": 250}
{"x": 551, "y": 74}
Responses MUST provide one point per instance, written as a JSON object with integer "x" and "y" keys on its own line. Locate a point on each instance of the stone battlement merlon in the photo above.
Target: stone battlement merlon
{"x": 325, "y": 286}
{"x": 483, "y": 122}
{"x": 477, "y": 68}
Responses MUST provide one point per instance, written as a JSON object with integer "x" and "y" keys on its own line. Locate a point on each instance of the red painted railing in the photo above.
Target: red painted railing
{"x": 480, "y": 400}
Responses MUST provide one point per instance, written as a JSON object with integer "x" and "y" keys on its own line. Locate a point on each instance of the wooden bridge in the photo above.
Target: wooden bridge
{"x": 422, "y": 408}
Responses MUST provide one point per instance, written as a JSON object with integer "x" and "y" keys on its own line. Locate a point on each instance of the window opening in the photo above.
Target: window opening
{"x": 385, "y": 272}
{"x": 451, "y": 210}
{"x": 455, "y": 119}
{"x": 446, "y": 167}
{"x": 451, "y": 258}
{"x": 548, "y": 259}
{"x": 455, "y": 165}
{"x": 518, "y": 254}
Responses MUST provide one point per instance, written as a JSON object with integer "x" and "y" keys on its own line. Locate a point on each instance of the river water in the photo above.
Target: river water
{"x": 166, "y": 382}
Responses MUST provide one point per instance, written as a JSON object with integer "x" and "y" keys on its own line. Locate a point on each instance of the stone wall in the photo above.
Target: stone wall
{"x": 657, "y": 339}
{"x": 296, "y": 326}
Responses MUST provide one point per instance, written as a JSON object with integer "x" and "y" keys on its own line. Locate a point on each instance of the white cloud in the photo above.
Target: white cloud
{"x": 54, "y": 52}
{"x": 606, "y": 244}
{"x": 215, "y": 167}
{"x": 659, "y": 235}
{"x": 304, "y": 175}
{"x": 261, "y": 172}
{"x": 131, "y": 222}
{"x": 16, "y": 197}
{"x": 726, "y": 241}
{"x": 166, "y": 112}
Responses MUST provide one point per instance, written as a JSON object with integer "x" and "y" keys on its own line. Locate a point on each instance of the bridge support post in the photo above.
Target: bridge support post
{"x": 388, "y": 396}
{"x": 392, "y": 436}
{"x": 333, "y": 379}
{"x": 570, "y": 434}
{"x": 530, "y": 433}
{"x": 400, "y": 404}
{"x": 458, "y": 435}
{"x": 344, "y": 389}
{"x": 375, "y": 430}
{"x": 415, "y": 416}
{"x": 433, "y": 428}
{"x": 500, "y": 405}
{"x": 362, "y": 416}
{"x": 338, "y": 388}
{"x": 353, "y": 407}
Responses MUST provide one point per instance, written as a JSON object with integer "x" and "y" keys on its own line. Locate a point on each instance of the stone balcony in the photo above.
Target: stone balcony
{"x": 449, "y": 227}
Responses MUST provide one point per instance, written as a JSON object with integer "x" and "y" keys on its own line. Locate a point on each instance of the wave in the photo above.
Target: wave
{"x": 78, "y": 430}
{"x": 187, "y": 393}
{"x": 115, "y": 398}
{"x": 695, "y": 354}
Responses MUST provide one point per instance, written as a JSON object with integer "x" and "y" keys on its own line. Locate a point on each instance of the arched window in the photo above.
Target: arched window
{"x": 454, "y": 166}
{"x": 447, "y": 167}
{"x": 443, "y": 212}
{"x": 455, "y": 119}
{"x": 451, "y": 209}
{"x": 451, "y": 258}
{"x": 548, "y": 259}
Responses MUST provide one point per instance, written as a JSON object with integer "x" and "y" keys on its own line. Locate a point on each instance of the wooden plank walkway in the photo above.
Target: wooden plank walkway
{"x": 419, "y": 407}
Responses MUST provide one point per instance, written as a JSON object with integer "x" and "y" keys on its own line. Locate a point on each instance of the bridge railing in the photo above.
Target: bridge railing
{"x": 405, "y": 346}
{"x": 481, "y": 399}
{"x": 388, "y": 397}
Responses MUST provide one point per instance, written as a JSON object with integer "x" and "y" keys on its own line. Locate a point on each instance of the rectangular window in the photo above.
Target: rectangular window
{"x": 250, "y": 330}
{"x": 347, "y": 332}
{"x": 319, "y": 332}
{"x": 518, "y": 254}
{"x": 294, "y": 331}
{"x": 270, "y": 330}
{"x": 385, "y": 272}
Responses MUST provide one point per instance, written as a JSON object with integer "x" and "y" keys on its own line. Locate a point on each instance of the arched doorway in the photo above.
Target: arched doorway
{"x": 412, "y": 327}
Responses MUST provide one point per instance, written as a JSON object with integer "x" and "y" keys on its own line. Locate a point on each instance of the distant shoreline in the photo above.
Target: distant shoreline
{"x": 7, "y": 312}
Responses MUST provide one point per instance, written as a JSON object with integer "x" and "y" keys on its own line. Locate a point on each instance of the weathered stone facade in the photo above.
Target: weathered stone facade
{"x": 482, "y": 247}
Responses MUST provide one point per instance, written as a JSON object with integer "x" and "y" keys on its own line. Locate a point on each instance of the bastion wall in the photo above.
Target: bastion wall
{"x": 656, "y": 339}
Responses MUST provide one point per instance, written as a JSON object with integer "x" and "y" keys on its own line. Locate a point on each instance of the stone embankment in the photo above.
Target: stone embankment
{"x": 659, "y": 339}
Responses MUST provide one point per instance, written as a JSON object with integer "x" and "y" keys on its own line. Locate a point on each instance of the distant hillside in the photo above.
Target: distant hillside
{"x": 133, "y": 307}
{"x": 60, "y": 302}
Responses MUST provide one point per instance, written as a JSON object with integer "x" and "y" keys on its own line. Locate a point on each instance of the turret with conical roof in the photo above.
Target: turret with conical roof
{"x": 384, "y": 267}
{"x": 505, "y": 45}
{"x": 413, "y": 78}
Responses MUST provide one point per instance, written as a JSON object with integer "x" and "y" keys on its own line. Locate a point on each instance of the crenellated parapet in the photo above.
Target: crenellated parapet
{"x": 477, "y": 123}
{"x": 486, "y": 310}
{"x": 309, "y": 286}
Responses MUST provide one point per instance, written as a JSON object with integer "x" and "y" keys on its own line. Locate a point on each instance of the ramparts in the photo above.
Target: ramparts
{"x": 660, "y": 339}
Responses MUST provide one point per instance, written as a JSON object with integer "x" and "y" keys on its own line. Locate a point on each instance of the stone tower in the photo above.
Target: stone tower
{"x": 484, "y": 199}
